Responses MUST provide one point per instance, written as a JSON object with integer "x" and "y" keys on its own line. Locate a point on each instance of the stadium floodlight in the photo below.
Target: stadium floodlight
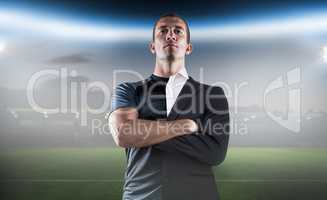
{"x": 324, "y": 54}
{"x": 2, "y": 46}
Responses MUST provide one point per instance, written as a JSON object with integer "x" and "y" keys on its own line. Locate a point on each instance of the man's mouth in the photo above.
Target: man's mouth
{"x": 170, "y": 45}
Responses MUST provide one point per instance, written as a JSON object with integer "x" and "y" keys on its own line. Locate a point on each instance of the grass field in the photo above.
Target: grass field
{"x": 96, "y": 173}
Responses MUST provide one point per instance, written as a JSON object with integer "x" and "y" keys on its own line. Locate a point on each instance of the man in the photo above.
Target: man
{"x": 173, "y": 128}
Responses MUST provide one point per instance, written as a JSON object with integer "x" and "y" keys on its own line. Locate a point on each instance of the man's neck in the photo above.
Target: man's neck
{"x": 167, "y": 68}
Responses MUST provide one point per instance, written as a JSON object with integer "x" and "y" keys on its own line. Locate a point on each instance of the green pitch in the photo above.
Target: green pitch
{"x": 96, "y": 173}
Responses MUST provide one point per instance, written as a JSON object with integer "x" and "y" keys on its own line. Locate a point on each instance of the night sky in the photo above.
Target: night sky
{"x": 147, "y": 11}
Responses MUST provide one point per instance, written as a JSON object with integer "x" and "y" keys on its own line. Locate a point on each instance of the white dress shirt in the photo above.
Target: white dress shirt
{"x": 174, "y": 87}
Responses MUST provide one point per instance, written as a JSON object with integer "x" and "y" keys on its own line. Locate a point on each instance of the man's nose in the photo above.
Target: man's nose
{"x": 171, "y": 35}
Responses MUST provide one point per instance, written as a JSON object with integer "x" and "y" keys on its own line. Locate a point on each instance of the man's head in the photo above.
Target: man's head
{"x": 171, "y": 37}
{"x": 176, "y": 16}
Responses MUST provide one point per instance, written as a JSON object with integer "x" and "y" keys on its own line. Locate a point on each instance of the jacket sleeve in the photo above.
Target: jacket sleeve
{"x": 209, "y": 144}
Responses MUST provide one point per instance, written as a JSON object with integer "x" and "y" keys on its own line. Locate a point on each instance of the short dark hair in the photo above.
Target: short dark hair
{"x": 172, "y": 15}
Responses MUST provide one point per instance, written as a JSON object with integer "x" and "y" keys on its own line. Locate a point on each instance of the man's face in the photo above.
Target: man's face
{"x": 170, "y": 39}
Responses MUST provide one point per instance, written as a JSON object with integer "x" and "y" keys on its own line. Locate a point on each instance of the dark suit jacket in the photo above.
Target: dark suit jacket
{"x": 188, "y": 159}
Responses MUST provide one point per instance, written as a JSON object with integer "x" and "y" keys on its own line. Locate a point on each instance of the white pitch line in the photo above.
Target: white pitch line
{"x": 217, "y": 180}
{"x": 60, "y": 180}
{"x": 273, "y": 180}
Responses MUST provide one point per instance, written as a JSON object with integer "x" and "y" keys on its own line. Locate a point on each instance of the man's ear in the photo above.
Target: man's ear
{"x": 189, "y": 49}
{"x": 151, "y": 48}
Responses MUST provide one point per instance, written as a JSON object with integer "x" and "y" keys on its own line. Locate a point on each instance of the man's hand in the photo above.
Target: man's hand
{"x": 189, "y": 125}
{"x": 129, "y": 131}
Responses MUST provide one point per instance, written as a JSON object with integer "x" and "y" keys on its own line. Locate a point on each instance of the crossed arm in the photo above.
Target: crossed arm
{"x": 130, "y": 131}
{"x": 209, "y": 144}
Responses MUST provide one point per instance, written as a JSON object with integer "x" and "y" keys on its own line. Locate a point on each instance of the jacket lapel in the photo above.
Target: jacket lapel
{"x": 184, "y": 100}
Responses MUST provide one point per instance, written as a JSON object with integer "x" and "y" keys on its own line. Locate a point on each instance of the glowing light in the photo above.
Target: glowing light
{"x": 308, "y": 24}
{"x": 19, "y": 21}
{"x": 324, "y": 54}
{"x": 2, "y": 46}
{"x": 305, "y": 24}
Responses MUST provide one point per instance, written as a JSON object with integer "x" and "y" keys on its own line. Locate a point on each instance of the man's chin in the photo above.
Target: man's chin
{"x": 171, "y": 53}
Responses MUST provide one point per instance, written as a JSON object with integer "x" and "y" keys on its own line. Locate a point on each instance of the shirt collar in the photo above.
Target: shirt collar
{"x": 182, "y": 72}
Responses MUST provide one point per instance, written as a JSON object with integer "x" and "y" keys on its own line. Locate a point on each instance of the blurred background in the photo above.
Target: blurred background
{"x": 50, "y": 52}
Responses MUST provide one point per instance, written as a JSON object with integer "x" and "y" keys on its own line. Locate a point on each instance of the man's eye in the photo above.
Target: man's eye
{"x": 179, "y": 32}
{"x": 163, "y": 31}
